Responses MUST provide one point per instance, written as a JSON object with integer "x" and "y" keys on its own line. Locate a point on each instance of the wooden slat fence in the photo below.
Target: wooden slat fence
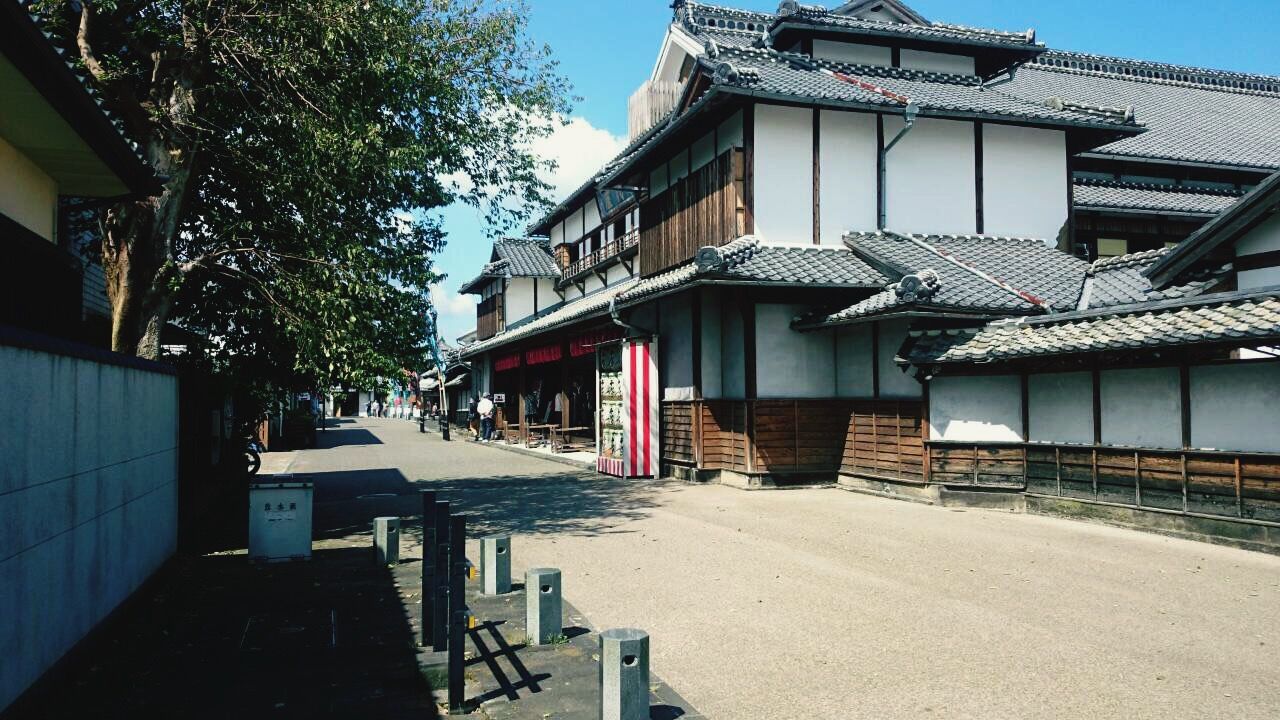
{"x": 705, "y": 208}
{"x": 885, "y": 440}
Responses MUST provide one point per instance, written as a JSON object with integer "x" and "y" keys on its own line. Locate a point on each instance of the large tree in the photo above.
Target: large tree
{"x": 301, "y": 145}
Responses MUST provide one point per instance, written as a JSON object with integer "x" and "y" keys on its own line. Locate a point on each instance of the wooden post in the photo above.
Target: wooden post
{"x": 1057, "y": 463}
{"x": 1239, "y": 488}
{"x": 1184, "y": 481}
{"x": 564, "y": 385}
{"x": 1137, "y": 479}
{"x": 1184, "y": 387}
{"x": 699, "y": 453}
{"x": 524, "y": 438}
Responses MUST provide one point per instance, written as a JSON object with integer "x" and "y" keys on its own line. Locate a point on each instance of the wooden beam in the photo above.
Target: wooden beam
{"x": 817, "y": 177}
{"x": 748, "y": 309}
{"x": 875, "y": 360}
{"x": 748, "y": 181}
{"x": 1184, "y": 390}
{"x": 980, "y": 220}
{"x": 881, "y": 200}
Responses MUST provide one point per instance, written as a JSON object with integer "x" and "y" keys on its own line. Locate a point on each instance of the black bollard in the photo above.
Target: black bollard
{"x": 457, "y": 611}
{"x": 428, "y": 564}
{"x": 440, "y": 608}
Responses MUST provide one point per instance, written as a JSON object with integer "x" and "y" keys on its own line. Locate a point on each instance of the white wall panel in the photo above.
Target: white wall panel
{"x": 1236, "y": 407}
{"x": 729, "y": 134}
{"x": 1024, "y": 181}
{"x": 679, "y": 166}
{"x": 894, "y": 383}
{"x": 784, "y": 174}
{"x": 658, "y": 180}
{"x": 704, "y": 150}
{"x": 518, "y": 300}
{"x": 732, "y": 369}
{"x": 937, "y": 62}
{"x": 616, "y": 274}
{"x": 854, "y": 53}
{"x": 27, "y": 194}
{"x": 848, "y": 155}
{"x": 557, "y": 234}
{"x": 1263, "y": 238}
{"x": 712, "y": 336}
{"x": 574, "y": 228}
{"x": 930, "y": 181}
{"x": 676, "y": 333}
{"x": 790, "y": 364}
{"x": 1060, "y": 407}
{"x": 854, "y": 364}
{"x": 591, "y": 218}
{"x": 1141, "y": 408}
{"x": 546, "y": 296}
{"x": 983, "y": 408}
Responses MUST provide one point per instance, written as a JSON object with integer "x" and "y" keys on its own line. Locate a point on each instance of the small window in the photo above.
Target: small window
{"x": 1110, "y": 247}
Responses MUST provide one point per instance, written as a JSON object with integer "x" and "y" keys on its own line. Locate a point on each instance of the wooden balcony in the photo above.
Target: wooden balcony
{"x": 706, "y": 208}
{"x": 611, "y": 250}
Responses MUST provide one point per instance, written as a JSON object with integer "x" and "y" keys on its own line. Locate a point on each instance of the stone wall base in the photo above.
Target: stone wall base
{"x": 748, "y": 481}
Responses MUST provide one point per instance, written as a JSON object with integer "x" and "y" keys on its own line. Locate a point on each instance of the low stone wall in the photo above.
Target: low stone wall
{"x": 88, "y": 493}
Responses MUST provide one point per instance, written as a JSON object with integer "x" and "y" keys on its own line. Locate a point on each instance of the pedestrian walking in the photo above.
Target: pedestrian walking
{"x": 486, "y": 409}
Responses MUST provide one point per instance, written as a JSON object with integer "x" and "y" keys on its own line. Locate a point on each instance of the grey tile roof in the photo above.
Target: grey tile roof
{"x": 1229, "y": 318}
{"x": 821, "y": 18}
{"x": 593, "y": 305}
{"x": 527, "y": 257}
{"x": 978, "y": 274}
{"x": 1106, "y": 195}
{"x": 1121, "y": 281}
{"x": 783, "y": 75}
{"x": 1186, "y": 121}
{"x": 749, "y": 261}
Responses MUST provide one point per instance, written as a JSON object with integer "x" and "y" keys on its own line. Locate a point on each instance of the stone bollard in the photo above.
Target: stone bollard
{"x": 624, "y": 674}
{"x": 386, "y": 540}
{"x": 542, "y": 605}
{"x": 495, "y": 564}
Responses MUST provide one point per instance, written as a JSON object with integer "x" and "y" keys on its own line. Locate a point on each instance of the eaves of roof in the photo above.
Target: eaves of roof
{"x": 32, "y": 52}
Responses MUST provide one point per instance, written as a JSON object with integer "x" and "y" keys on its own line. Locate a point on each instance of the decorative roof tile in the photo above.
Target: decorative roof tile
{"x": 1229, "y": 318}
{"x": 1107, "y": 195}
{"x": 821, "y": 18}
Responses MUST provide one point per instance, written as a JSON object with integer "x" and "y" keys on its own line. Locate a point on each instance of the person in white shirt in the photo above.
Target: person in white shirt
{"x": 486, "y": 410}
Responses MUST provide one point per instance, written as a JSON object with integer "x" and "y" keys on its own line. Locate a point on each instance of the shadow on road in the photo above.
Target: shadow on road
{"x": 216, "y": 637}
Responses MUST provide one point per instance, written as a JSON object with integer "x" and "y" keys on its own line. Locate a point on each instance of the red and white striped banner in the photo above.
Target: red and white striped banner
{"x": 640, "y": 420}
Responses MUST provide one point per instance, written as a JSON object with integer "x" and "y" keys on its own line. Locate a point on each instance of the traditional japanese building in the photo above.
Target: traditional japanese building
{"x": 809, "y": 193}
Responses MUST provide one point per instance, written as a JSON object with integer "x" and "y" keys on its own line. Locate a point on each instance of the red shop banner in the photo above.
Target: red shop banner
{"x": 545, "y": 354}
{"x": 510, "y": 362}
{"x": 586, "y": 344}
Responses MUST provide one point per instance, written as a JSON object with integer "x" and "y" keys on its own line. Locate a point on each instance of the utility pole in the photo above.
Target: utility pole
{"x": 433, "y": 345}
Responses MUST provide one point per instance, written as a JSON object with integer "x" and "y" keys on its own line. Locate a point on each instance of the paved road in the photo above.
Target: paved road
{"x": 828, "y": 604}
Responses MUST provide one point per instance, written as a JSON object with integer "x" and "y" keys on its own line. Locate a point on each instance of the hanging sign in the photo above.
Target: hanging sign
{"x": 510, "y": 362}
{"x": 546, "y": 354}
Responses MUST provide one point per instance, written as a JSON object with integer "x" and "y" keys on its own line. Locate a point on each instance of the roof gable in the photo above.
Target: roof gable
{"x": 881, "y": 10}
{"x": 1252, "y": 209}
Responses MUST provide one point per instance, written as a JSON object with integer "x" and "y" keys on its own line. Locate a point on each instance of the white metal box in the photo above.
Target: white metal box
{"x": 280, "y": 520}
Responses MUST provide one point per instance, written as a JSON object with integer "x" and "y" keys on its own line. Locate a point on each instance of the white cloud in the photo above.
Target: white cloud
{"x": 452, "y": 304}
{"x": 580, "y": 149}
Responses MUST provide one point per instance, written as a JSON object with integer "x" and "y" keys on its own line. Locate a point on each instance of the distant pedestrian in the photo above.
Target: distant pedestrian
{"x": 473, "y": 417}
{"x": 486, "y": 409}
{"x": 368, "y": 409}
{"x": 377, "y": 408}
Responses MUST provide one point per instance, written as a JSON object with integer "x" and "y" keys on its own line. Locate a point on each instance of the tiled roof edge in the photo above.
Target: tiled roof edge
{"x": 1157, "y": 72}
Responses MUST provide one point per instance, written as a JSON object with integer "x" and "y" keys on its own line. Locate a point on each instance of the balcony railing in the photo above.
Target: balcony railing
{"x": 608, "y": 252}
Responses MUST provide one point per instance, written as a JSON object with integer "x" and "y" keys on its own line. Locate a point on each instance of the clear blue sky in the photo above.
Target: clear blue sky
{"x": 607, "y": 48}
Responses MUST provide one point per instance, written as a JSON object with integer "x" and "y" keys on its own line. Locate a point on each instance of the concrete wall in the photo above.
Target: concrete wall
{"x": 1060, "y": 408}
{"x": 1236, "y": 407}
{"x": 783, "y": 169}
{"x": 848, "y": 154}
{"x": 937, "y": 62}
{"x": 1024, "y": 181}
{"x": 931, "y": 177}
{"x": 1141, "y": 408}
{"x": 88, "y": 499}
{"x": 980, "y": 408}
{"x": 894, "y": 383}
{"x": 854, "y": 53}
{"x": 1263, "y": 238}
{"x": 855, "y": 367}
{"x": 790, "y": 364}
{"x": 28, "y": 196}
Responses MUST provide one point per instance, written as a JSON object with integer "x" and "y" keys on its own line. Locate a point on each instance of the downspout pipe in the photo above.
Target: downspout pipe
{"x": 909, "y": 114}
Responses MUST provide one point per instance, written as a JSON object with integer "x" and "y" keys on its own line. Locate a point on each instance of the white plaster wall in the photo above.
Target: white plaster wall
{"x": 1060, "y": 408}
{"x": 854, "y": 364}
{"x": 791, "y": 364}
{"x": 1263, "y": 238}
{"x": 518, "y": 300}
{"x": 557, "y": 234}
{"x": 783, "y": 170}
{"x": 1236, "y": 407}
{"x": 88, "y": 500}
{"x": 1024, "y": 181}
{"x": 847, "y": 183}
{"x": 28, "y": 196}
{"x": 983, "y": 408}
{"x": 676, "y": 346}
{"x": 729, "y": 134}
{"x": 571, "y": 292}
{"x": 732, "y": 368}
{"x": 592, "y": 284}
{"x": 616, "y": 273}
{"x": 574, "y": 227}
{"x": 894, "y": 383}
{"x": 937, "y": 62}
{"x": 546, "y": 294}
{"x": 1141, "y": 408}
{"x": 854, "y": 53}
{"x": 712, "y": 336}
{"x": 658, "y": 180}
{"x": 931, "y": 177}
{"x": 591, "y": 216}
